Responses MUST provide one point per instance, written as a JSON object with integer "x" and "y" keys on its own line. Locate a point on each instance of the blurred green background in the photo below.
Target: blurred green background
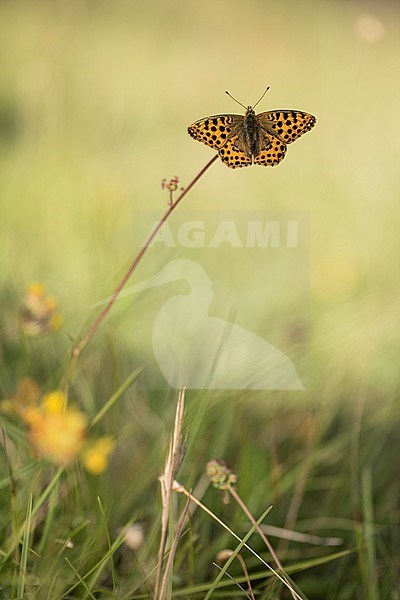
{"x": 95, "y": 100}
{"x": 94, "y": 104}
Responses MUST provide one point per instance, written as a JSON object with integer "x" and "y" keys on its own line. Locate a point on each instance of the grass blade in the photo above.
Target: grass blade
{"x": 25, "y": 550}
{"x": 128, "y": 381}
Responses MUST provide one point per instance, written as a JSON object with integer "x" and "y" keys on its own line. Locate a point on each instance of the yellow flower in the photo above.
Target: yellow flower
{"x": 50, "y": 302}
{"x": 95, "y": 455}
{"x": 56, "y": 431}
{"x": 39, "y": 311}
{"x": 37, "y": 290}
{"x": 33, "y": 417}
{"x": 54, "y": 402}
{"x": 56, "y": 322}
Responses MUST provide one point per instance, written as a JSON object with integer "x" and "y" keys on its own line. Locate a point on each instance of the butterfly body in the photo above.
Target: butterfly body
{"x": 252, "y": 139}
{"x": 249, "y": 135}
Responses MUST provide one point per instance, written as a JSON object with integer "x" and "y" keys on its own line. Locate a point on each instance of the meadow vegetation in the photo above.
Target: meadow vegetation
{"x": 95, "y": 100}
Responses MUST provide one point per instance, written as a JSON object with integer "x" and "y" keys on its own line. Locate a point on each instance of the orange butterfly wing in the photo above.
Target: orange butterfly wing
{"x": 288, "y": 125}
{"x": 215, "y": 131}
{"x": 232, "y": 156}
{"x": 272, "y": 153}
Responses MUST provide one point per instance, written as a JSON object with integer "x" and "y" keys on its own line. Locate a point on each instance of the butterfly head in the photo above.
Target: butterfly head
{"x": 249, "y": 109}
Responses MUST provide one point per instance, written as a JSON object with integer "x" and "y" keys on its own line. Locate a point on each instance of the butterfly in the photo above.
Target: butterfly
{"x": 260, "y": 139}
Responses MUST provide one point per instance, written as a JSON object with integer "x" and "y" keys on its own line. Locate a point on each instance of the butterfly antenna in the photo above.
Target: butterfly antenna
{"x": 258, "y": 101}
{"x": 230, "y": 96}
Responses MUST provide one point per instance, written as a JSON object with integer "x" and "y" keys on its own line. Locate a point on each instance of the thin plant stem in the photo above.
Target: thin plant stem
{"x": 171, "y": 556}
{"x": 236, "y": 582}
{"x": 266, "y": 541}
{"x": 79, "y": 347}
{"x": 240, "y": 558}
{"x": 172, "y": 465}
{"x": 178, "y": 488}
